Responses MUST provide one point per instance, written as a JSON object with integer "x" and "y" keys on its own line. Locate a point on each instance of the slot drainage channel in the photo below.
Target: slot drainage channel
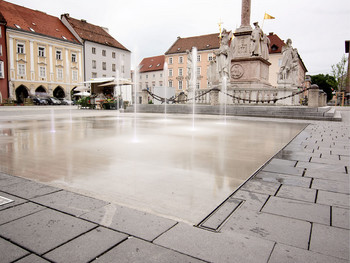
{"x": 219, "y": 216}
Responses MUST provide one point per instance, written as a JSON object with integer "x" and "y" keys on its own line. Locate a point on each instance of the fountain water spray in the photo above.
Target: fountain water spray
{"x": 165, "y": 87}
{"x": 194, "y": 82}
{"x": 53, "y": 130}
{"x": 224, "y": 88}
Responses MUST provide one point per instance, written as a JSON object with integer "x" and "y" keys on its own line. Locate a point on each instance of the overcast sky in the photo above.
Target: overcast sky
{"x": 318, "y": 29}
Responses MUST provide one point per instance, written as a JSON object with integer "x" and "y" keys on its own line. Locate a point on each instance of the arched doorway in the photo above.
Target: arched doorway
{"x": 59, "y": 93}
{"x": 21, "y": 94}
{"x": 41, "y": 91}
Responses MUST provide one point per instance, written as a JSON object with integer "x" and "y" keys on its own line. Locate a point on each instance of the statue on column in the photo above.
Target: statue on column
{"x": 289, "y": 66}
{"x": 222, "y": 55}
{"x": 257, "y": 38}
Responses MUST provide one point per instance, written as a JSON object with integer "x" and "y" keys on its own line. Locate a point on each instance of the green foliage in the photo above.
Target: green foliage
{"x": 339, "y": 72}
{"x": 84, "y": 101}
{"x": 326, "y": 83}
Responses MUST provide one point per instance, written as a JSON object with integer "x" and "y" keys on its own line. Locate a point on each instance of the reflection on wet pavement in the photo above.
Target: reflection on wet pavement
{"x": 153, "y": 164}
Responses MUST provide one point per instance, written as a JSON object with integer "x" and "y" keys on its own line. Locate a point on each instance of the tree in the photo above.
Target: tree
{"x": 339, "y": 73}
{"x": 326, "y": 83}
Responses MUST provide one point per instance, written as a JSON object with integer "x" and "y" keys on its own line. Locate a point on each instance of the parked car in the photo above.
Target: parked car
{"x": 53, "y": 101}
{"x": 66, "y": 102}
{"x": 39, "y": 101}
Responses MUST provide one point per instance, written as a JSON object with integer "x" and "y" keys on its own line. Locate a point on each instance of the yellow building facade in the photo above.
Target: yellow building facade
{"x": 40, "y": 64}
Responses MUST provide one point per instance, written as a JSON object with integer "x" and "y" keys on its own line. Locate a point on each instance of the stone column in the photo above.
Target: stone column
{"x": 245, "y": 15}
{"x": 144, "y": 95}
{"x": 313, "y": 95}
{"x": 214, "y": 97}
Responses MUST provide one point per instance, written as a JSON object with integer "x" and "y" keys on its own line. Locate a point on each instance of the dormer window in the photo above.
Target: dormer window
{"x": 31, "y": 29}
{"x": 64, "y": 37}
{"x": 150, "y": 66}
{"x": 158, "y": 64}
{"x": 274, "y": 47}
{"x": 17, "y": 26}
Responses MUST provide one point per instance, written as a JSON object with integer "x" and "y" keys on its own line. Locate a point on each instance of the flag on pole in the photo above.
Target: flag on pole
{"x": 267, "y": 16}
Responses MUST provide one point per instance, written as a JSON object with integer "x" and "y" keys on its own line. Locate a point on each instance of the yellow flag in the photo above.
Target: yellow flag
{"x": 267, "y": 16}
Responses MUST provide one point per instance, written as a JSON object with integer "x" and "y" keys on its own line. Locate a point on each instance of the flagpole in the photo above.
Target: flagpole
{"x": 262, "y": 25}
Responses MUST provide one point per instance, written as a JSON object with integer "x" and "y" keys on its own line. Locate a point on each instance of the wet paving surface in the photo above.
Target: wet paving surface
{"x": 166, "y": 166}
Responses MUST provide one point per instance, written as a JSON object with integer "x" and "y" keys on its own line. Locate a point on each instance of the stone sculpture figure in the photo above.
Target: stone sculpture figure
{"x": 265, "y": 47}
{"x": 222, "y": 55}
{"x": 257, "y": 38}
{"x": 289, "y": 65}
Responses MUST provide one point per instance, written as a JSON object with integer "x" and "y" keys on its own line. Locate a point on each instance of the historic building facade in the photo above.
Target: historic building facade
{"x": 177, "y": 59}
{"x": 43, "y": 55}
{"x": 104, "y": 56}
{"x": 3, "y": 60}
{"x": 151, "y": 73}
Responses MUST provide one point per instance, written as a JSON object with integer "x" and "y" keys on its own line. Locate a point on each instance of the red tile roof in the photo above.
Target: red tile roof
{"x": 93, "y": 33}
{"x": 204, "y": 42}
{"x": 152, "y": 64}
{"x": 35, "y": 22}
{"x": 276, "y": 43}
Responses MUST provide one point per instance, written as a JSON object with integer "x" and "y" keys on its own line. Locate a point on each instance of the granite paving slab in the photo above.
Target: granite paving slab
{"x": 331, "y": 186}
{"x": 32, "y": 258}
{"x": 331, "y": 241}
{"x": 139, "y": 251}
{"x": 86, "y": 247}
{"x": 289, "y": 254}
{"x": 10, "y": 252}
{"x": 342, "y": 177}
{"x": 340, "y": 217}
{"x": 333, "y": 161}
{"x": 252, "y": 201}
{"x": 259, "y": 186}
{"x": 283, "y": 169}
{"x": 283, "y": 179}
{"x": 344, "y": 152}
{"x": 70, "y": 202}
{"x": 298, "y": 210}
{"x": 130, "y": 221}
{"x": 297, "y": 193}
{"x": 29, "y": 189}
{"x": 215, "y": 247}
{"x": 325, "y": 167}
{"x": 6, "y": 180}
{"x": 271, "y": 227}
{"x": 44, "y": 230}
{"x": 19, "y": 211}
{"x": 16, "y": 200}
{"x": 333, "y": 199}
{"x": 276, "y": 161}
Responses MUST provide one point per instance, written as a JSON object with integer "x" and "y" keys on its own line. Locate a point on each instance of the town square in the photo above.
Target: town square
{"x": 226, "y": 145}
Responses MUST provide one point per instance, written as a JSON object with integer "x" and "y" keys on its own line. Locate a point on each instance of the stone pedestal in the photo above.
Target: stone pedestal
{"x": 254, "y": 70}
{"x": 144, "y": 96}
{"x": 313, "y": 95}
{"x": 214, "y": 97}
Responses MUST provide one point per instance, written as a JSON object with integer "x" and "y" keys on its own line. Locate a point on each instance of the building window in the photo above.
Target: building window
{"x": 93, "y": 50}
{"x": 170, "y": 72}
{"x": 210, "y": 57}
{"x": 42, "y": 72}
{"x": 58, "y": 54}
{"x": 198, "y": 71}
{"x": 146, "y": 76}
{"x": 161, "y": 83}
{"x": 94, "y": 64}
{"x": 180, "y": 84}
{"x": 123, "y": 69}
{"x": 20, "y": 48}
{"x": 154, "y": 75}
{"x": 180, "y": 71}
{"x": 198, "y": 58}
{"x": 161, "y": 75}
{"x": 60, "y": 74}
{"x": 74, "y": 57}
{"x": 74, "y": 75}
{"x": 94, "y": 75}
{"x": 21, "y": 69}
{"x": 170, "y": 60}
{"x": 113, "y": 67}
{"x": 41, "y": 52}
{"x": 197, "y": 85}
{"x": 170, "y": 83}
{"x": 104, "y": 65}
{"x": 103, "y": 52}
{"x": 113, "y": 54}
{"x": 2, "y": 73}
{"x": 153, "y": 84}
{"x": 140, "y": 76}
{"x": 181, "y": 59}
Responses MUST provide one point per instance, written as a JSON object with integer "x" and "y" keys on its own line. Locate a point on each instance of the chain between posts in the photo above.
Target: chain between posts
{"x": 175, "y": 99}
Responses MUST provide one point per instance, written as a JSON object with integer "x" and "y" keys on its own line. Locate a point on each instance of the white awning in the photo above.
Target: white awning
{"x": 99, "y": 80}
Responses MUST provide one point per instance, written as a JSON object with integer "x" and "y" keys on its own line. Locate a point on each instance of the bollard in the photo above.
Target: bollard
{"x": 313, "y": 95}
{"x": 144, "y": 96}
{"x": 214, "y": 97}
